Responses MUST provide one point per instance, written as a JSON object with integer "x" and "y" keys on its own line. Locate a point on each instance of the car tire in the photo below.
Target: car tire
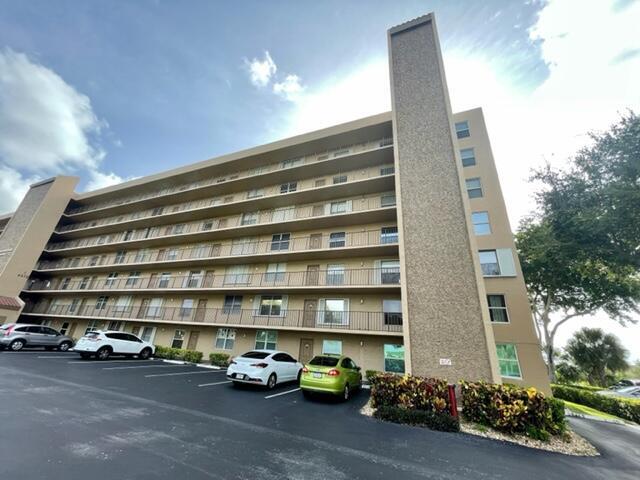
{"x": 17, "y": 345}
{"x": 64, "y": 346}
{"x": 85, "y": 356}
{"x": 346, "y": 393}
{"x": 103, "y": 353}
{"x": 144, "y": 354}
{"x": 272, "y": 381}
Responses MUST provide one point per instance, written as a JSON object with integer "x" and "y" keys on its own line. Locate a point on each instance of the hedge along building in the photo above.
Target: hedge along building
{"x": 385, "y": 239}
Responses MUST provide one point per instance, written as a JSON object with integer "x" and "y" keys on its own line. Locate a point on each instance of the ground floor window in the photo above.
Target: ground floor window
{"x": 178, "y": 339}
{"x": 226, "y": 338}
{"x": 393, "y": 358}
{"x": 508, "y": 360}
{"x": 332, "y": 347}
{"x": 92, "y": 326}
{"x": 115, "y": 325}
{"x": 147, "y": 334}
{"x": 266, "y": 339}
{"x": 64, "y": 328}
{"x": 46, "y": 323}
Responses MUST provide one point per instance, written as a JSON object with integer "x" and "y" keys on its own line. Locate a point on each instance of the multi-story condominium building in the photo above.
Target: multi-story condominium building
{"x": 385, "y": 238}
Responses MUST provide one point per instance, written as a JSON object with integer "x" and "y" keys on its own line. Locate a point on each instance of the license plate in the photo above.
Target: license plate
{"x": 317, "y": 375}
{"x": 240, "y": 376}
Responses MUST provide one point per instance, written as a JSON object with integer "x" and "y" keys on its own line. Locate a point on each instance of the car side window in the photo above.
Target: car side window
{"x": 34, "y": 329}
{"x": 20, "y": 329}
{"x": 49, "y": 331}
{"x": 348, "y": 363}
{"x": 287, "y": 358}
{"x": 279, "y": 357}
{"x": 114, "y": 336}
{"x": 131, "y": 338}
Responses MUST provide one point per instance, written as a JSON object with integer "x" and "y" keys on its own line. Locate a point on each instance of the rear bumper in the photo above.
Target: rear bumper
{"x": 335, "y": 387}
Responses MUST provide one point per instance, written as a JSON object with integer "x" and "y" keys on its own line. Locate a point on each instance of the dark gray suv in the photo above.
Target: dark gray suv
{"x": 16, "y": 336}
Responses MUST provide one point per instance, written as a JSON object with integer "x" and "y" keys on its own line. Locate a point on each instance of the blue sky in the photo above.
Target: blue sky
{"x": 111, "y": 90}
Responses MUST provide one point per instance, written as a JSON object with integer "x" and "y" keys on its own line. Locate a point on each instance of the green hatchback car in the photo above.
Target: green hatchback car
{"x": 334, "y": 374}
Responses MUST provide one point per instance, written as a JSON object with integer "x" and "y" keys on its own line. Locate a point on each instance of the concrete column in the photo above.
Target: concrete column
{"x": 447, "y": 332}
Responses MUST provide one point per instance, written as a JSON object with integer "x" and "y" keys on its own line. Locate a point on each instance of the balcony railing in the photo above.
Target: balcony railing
{"x": 320, "y": 319}
{"x": 280, "y": 243}
{"x": 207, "y": 203}
{"x": 362, "y": 277}
{"x": 289, "y": 163}
{"x": 246, "y": 219}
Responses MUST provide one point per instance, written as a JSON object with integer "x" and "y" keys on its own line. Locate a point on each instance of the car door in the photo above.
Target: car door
{"x": 34, "y": 336}
{"x": 131, "y": 343}
{"x": 116, "y": 342}
{"x": 352, "y": 372}
{"x": 49, "y": 336}
{"x": 281, "y": 367}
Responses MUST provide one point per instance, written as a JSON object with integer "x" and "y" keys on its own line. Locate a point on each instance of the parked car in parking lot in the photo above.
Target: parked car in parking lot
{"x": 334, "y": 374}
{"x": 264, "y": 367}
{"x": 104, "y": 344}
{"x": 625, "y": 392}
{"x": 16, "y": 336}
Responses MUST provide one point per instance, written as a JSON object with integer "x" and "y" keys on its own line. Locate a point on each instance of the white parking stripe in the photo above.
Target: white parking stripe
{"x": 101, "y": 362}
{"x": 144, "y": 366}
{"x": 183, "y": 373}
{"x": 55, "y": 356}
{"x": 282, "y": 393}
{"x": 215, "y": 383}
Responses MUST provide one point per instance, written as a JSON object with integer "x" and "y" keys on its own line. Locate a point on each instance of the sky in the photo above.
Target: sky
{"x": 115, "y": 90}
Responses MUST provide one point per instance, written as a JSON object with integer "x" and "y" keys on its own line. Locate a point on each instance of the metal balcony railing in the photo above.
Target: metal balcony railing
{"x": 289, "y": 163}
{"x": 362, "y": 277}
{"x": 285, "y": 214}
{"x": 280, "y": 243}
{"x": 285, "y": 318}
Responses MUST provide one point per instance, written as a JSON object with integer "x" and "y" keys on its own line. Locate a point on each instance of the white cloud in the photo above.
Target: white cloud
{"x": 261, "y": 71}
{"x": 47, "y": 128}
{"x": 290, "y": 88}
{"x": 101, "y": 180}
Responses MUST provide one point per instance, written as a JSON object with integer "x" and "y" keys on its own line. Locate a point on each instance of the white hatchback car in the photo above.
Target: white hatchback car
{"x": 264, "y": 367}
{"x": 104, "y": 344}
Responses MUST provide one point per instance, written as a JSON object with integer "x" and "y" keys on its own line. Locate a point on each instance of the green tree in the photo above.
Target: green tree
{"x": 599, "y": 355}
{"x": 580, "y": 252}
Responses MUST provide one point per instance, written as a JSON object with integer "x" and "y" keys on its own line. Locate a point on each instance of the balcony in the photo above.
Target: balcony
{"x": 337, "y": 213}
{"x": 280, "y": 248}
{"x": 310, "y": 320}
{"x": 370, "y": 279}
{"x": 314, "y": 164}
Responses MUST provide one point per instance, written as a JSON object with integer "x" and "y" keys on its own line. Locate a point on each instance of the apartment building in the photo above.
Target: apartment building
{"x": 385, "y": 238}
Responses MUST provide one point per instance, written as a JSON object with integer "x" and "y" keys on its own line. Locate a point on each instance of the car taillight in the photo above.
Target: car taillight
{"x": 259, "y": 365}
{"x": 8, "y": 331}
{"x": 333, "y": 372}
{"x": 305, "y": 370}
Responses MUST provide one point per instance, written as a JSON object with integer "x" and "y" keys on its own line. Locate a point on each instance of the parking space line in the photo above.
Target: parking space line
{"x": 183, "y": 373}
{"x": 102, "y": 362}
{"x": 55, "y": 356}
{"x": 282, "y": 393}
{"x": 214, "y": 383}
{"x": 144, "y": 366}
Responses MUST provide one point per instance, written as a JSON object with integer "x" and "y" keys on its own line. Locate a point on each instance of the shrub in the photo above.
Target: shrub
{"x": 424, "y": 418}
{"x": 192, "y": 356}
{"x": 589, "y": 388}
{"x": 170, "y": 353}
{"x": 219, "y": 359}
{"x": 512, "y": 409}
{"x": 409, "y": 392}
{"x": 628, "y": 409}
{"x": 370, "y": 374}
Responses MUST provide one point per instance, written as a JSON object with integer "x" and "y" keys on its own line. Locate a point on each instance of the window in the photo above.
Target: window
{"x": 468, "y": 157}
{"x": 172, "y": 254}
{"x": 207, "y": 225}
{"x": 462, "y": 129}
{"x": 127, "y": 235}
{"x": 92, "y": 326}
{"x": 163, "y": 282}
{"x": 132, "y": 279}
{"x": 115, "y": 325}
{"x": 275, "y": 272}
{"x": 388, "y": 199}
{"x": 102, "y": 239}
{"x": 489, "y": 263}
{"x": 337, "y": 240}
{"x": 64, "y": 328}
{"x": 249, "y": 218}
{"x": 178, "y": 339}
{"x": 101, "y": 303}
{"x": 74, "y": 305}
{"x": 236, "y": 275}
{"x": 120, "y": 256}
{"x": 178, "y": 229}
{"x": 155, "y": 308}
{"x": 83, "y": 283}
{"x": 497, "y": 308}
{"x": 194, "y": 280}
{"x": 186, "y": 307}
{"x": 280, "y": 241}
{"x": 65, "y": 283}
{"x": 342, "y": 206}
{"x": 335, "y": 274}
{"x": 393, "y": 358}
{"x": 200, "y": 251}
{"x": 481, "y": 224}
{"x": 232, "y": 304}
{"x": 243, "y": 246}
{"x": 46, "y": 323}
{"x": 255, "y": 193}
{"x": 288, "y": 187}
{"x": 335, "y": 311}
{"x": 143, "y": 255}
{"x": 341, "y": 152}
{"x": 387, "y": 170}
{"x": 474, "y": 187}
{"x": 320, "y": 182}
{"x": 271, "y": 305}
{"x": 283, "y": 214}
{"x": 157, "y": 211}
{"x": 111, "y": 279}
{"x": 389, "y": 235}
{"x": 93, "y": 261}
{"x": 508, "y": 360}
{"x": 332, "y": 347}
{"x": 339, "y": 179}
{"x": 147, "y": 334}
{"x": 389, "y": 272}
{"x": 225, "y": 338}
{"x": 293, "y": 162}
{"x": 257, "y": 170}
{"x": 123, "y": 304}
{"x": 392, "y": 312}
{"x": 266, "y": 339}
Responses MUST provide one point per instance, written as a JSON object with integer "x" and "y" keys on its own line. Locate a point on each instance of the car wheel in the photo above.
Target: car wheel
{"x": 17, "y": 345}
{"x": 85, "y": 356}
{"x": 271, "y": 383}
{"x": 145, "y": 354}
{"x": 346, "y": 393}
{"x": 64, "y": 346}
{"x": 103, "y": 353}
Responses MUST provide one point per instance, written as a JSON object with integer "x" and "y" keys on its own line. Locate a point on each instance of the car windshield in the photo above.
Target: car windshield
{"x": 324, "y": 361}
{"x": 258, "y": 355}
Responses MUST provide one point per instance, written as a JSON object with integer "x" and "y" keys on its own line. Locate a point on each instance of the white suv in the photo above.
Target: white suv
{"x": 104, "y": 344}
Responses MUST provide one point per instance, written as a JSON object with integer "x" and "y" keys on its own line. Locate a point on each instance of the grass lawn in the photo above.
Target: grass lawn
{"x": 584, "y": 410}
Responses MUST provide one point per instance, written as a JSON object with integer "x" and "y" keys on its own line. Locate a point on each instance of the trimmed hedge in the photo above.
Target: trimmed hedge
{"x": 409, "y": 392}
{"x": 169, "y": 353}
{"x": 219, "y": 359}
{"x": 422, "y": 418}
{"x": 513, "y": 409}
{"x": 628, "y": 409}
{"x": 588, "y": 388}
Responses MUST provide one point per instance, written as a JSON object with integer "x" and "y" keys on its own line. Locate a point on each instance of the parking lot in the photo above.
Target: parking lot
{"x": 63, "y": 417}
